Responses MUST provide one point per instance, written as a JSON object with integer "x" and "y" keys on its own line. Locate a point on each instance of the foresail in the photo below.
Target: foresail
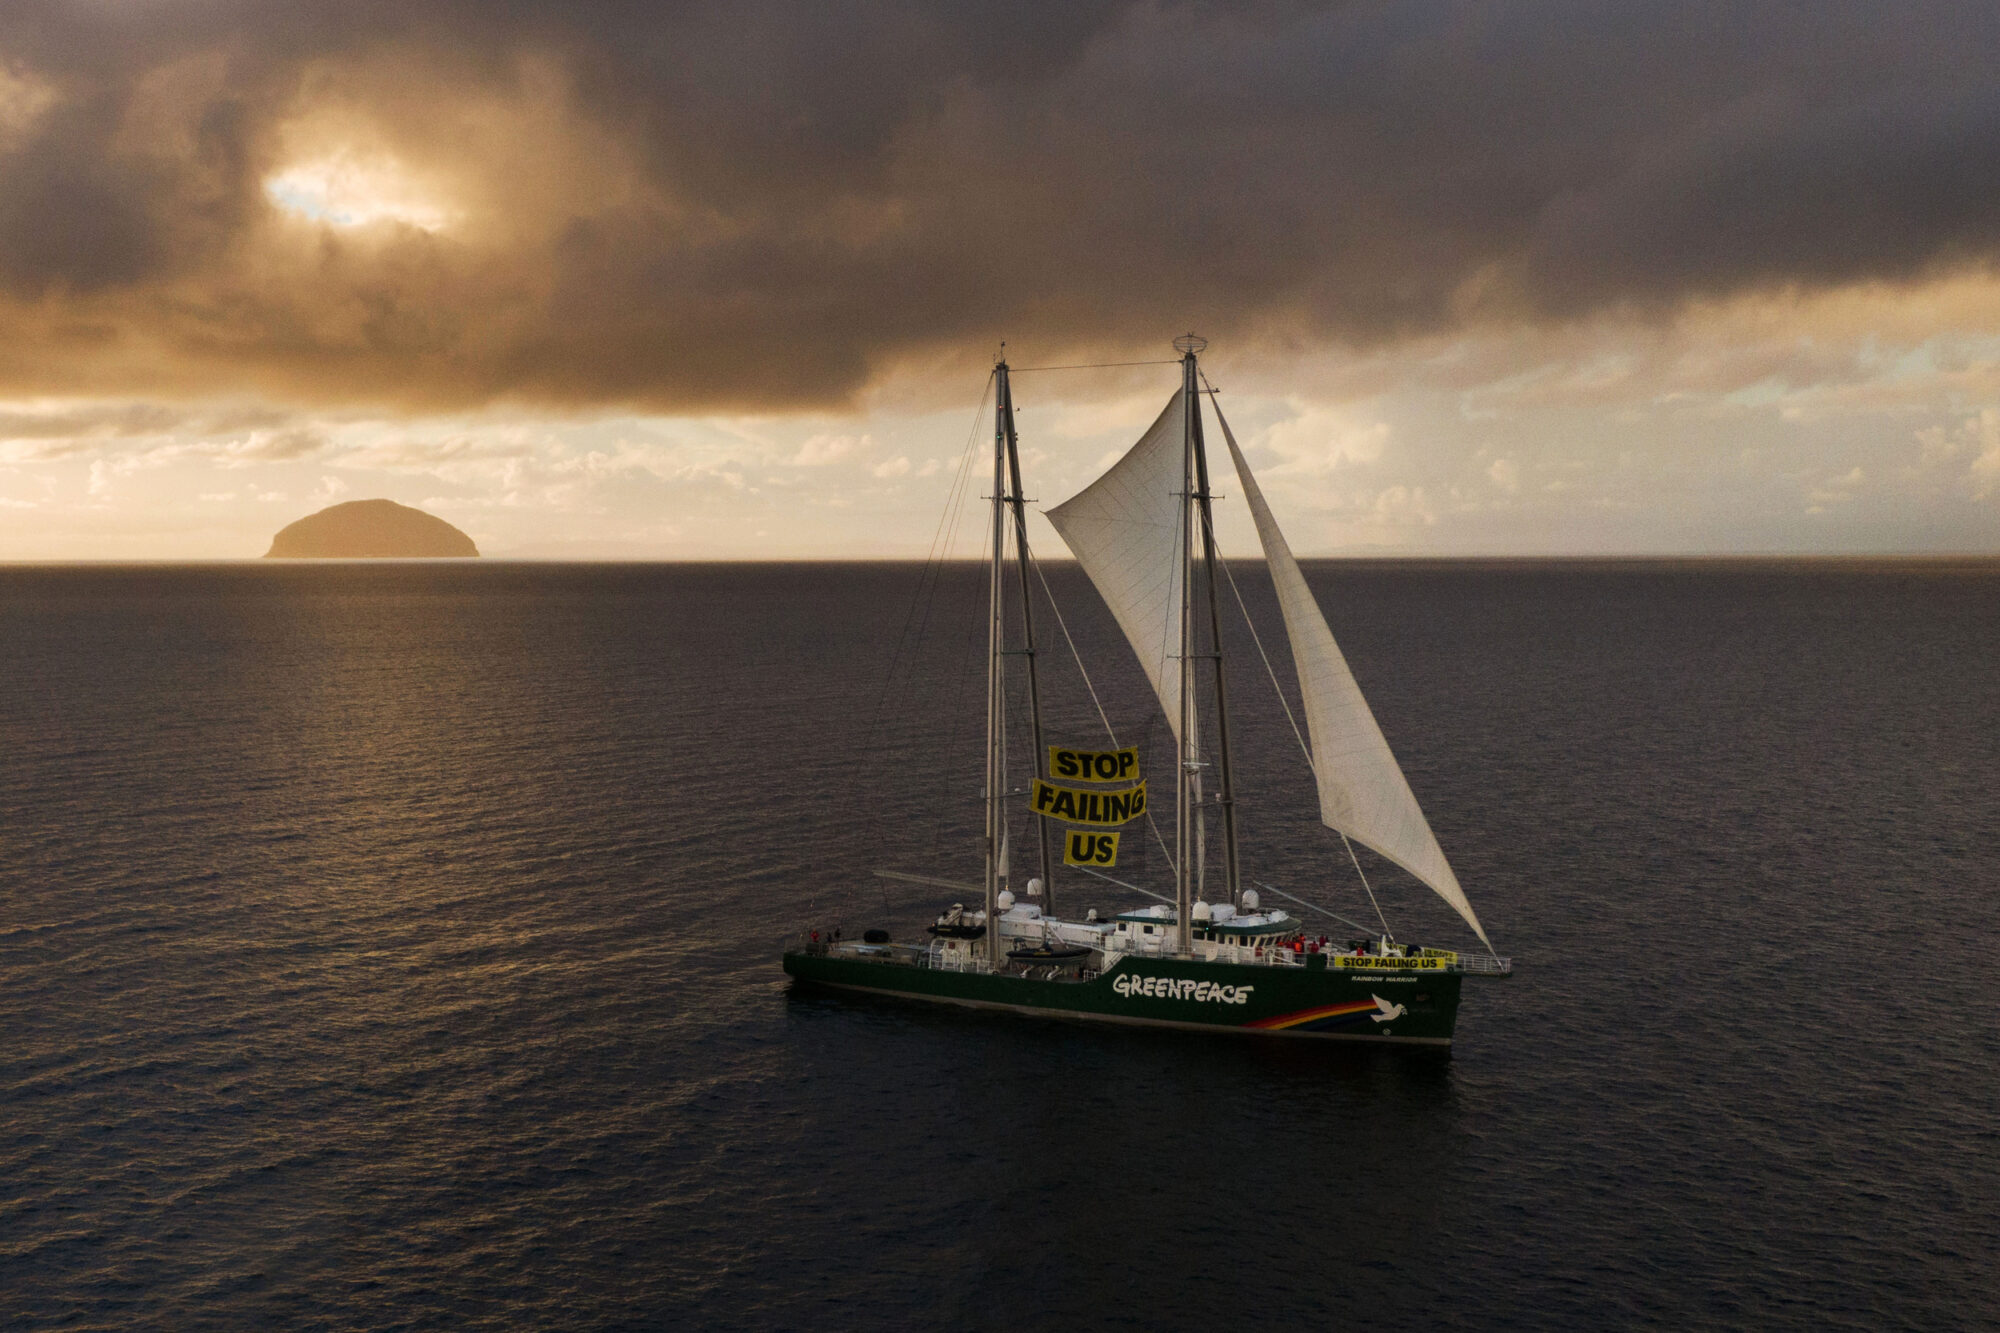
{"x": 1362, "y": 790}
{"x": 1125, "y": 529}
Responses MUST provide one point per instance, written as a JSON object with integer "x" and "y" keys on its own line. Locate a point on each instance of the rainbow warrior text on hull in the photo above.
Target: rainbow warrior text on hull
{"x": 1142, "y": 533}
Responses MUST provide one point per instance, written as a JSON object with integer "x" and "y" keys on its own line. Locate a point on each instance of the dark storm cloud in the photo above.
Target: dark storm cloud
{"x": 792, "y": 197}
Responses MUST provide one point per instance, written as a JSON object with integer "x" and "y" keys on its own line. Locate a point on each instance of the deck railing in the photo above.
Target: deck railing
{"x": 934, "y": 956}
{"x": 1273, "y": 956}
{"x": 1486, "y": 964}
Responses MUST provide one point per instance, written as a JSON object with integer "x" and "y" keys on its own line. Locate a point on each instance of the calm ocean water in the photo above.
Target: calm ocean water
{"x": 395, "y": 946}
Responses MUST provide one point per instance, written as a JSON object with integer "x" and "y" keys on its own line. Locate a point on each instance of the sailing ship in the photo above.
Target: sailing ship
{"x": 1144, "y": 536}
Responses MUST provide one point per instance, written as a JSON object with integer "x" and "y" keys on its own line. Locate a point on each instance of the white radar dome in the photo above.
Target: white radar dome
{"x": 1035, "y": 888}
{"x": 1201, "y": 910}
{"x": 1250, "y": 900}
{"x": 1005, "y": 900}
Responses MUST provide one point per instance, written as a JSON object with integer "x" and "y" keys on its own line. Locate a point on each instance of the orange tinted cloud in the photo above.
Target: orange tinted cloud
{"x": 435, "y": 204}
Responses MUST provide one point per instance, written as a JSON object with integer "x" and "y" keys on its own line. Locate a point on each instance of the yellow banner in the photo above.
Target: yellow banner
{"x": 1083, "y": 848}
{"x": 1101, "y": 808}
{"x": 1093, "y": 765}
{"x": 1372, "y": 964}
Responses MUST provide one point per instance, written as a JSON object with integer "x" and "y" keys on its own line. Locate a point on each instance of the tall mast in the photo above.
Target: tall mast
{"x": 1226, "y": 796}
{"x": 1184, "y": 739}
{"x": 996, "y": 810}
{"x": 1004, "y": 397}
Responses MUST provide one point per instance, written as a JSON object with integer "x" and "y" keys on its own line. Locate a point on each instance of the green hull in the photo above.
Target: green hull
{"x": 1417, "y": 1009}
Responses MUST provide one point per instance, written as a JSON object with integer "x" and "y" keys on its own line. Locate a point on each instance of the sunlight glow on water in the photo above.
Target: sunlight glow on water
{"x": 397, "y": 946}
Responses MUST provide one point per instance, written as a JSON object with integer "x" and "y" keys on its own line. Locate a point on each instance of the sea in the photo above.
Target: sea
{"x": 397, "y": 946}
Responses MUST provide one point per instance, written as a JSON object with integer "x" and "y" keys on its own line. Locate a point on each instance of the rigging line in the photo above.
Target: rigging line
{"x": 926, "y": 578}
{"x": 1000, "y": 669}
{"x": 949, "y": 526}
{"x": 954, "y": 519}
{"x": 1123, "y": 885}
{"x": 1272, "y": 671}
{"x": 1257, "y": 639}
{"x": 1095, "y": 365}
{"x": 1035, "y": 564}
{"x": 931, "y": 880}
{"x": 958, "y": 715}
{"x": 923, "y": 599}
{"x": 1272, "y": 888}
{"x": 1386, "y": 932}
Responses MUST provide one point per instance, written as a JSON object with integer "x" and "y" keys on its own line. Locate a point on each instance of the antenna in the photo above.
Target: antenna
{"x": 1188, "y": 342}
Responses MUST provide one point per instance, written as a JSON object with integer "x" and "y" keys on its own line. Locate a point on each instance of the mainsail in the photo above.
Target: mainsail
{"x": 1362, "y": 790}
{"x": 1126, "y": 530}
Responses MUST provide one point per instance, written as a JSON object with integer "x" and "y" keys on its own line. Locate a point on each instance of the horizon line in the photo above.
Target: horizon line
{"x": 1717, "y": 557}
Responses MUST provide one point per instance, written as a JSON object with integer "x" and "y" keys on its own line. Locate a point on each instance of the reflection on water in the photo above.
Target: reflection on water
{"x": 397, "y": 945}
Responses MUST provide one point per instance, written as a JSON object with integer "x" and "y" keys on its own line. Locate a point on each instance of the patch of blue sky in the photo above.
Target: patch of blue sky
{"x": 295, "y": 196}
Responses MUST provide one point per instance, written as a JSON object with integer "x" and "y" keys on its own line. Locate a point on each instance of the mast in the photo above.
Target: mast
{"x": 1004, "y": 398}
{"x": 1226, "y": 796}
{"x": 996, "y": 810}
{"x": 1184, "y": 738}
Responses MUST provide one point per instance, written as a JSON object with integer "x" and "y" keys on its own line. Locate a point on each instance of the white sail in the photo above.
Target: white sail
{"x": 1362, "y": 790}
{"x": 1126, "y": 530}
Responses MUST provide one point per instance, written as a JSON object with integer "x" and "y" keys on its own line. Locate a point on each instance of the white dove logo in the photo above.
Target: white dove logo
{"x": 1389, "y": 1013}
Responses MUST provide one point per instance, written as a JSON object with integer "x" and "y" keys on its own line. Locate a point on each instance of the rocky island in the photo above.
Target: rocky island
{"x": 369, "y": 529}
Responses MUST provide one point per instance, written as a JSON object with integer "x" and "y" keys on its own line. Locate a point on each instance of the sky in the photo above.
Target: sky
{"x": 611, "y": 279}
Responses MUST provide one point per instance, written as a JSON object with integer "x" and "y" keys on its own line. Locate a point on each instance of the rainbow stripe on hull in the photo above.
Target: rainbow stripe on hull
{"x": 1320, "y": 1018}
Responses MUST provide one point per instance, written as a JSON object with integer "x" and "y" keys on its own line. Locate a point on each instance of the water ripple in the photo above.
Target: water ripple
{"x": 395, "y": 947}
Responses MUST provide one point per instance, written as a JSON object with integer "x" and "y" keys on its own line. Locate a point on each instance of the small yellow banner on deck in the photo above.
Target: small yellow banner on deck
{"x": 1368, "y": 963}
{"x": 1073, "y": 805}
{"x": 1084, "y": 848}
{"x": 1093, "y": 765}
